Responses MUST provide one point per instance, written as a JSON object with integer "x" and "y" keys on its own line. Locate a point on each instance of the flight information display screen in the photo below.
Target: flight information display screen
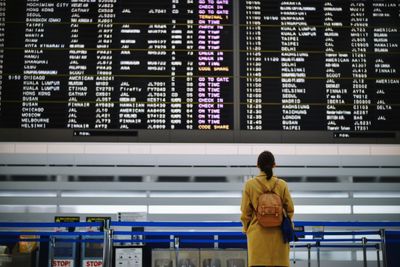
{"x": 230, "y": 70}
{"x": 108, "y": 64}
{"x": 320, "y": 65}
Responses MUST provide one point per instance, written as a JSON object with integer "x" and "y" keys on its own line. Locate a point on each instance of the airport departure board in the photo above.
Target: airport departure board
{"x": 320, "y": 65}
{"x": 242, "y": 70}
{"x": 117, "y": 64}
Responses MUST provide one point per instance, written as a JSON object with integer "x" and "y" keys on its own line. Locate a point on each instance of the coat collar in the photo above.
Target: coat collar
{"x": 262, "y": 174}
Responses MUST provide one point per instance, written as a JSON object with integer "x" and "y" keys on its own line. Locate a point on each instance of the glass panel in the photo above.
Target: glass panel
{"x": 158, "y": 209}
{"x": 27, "y": 208}
{"x": 322, "y": 209}
{"x": 27, "y": 194}
{"x": 376, "y": 195}
{"x": 101, "y": 208}
{"x": 376, "y": 209}
{"x": 324, "y": 256}
{"x": 203, "y": 194}
{"x": 319, "y": 195}
{"x": 102, "y": 194}
{"x": 371, "y": 256}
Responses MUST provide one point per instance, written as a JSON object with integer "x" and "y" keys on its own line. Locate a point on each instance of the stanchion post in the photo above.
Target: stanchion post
{"x": 216, "y": 241}
{"x": 176, "y": 242}
{"x": 318, "y": 254}
{"x": 364, "y": 243}
{"x": 52, "y": 246}
{"x": 383, "y": 246}
{"x": 176, "y": 246}
{"x": 107, "y": 245}
{"x": 294, "y": 251}
{"x": 110, "y": 246}
{"x": 309, "y": 254}
{"x": 378, "y": 258}
{"x": 171, "y": 243}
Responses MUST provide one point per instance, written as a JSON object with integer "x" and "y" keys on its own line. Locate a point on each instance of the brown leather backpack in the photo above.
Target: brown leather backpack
{"x": 269, "y": 209}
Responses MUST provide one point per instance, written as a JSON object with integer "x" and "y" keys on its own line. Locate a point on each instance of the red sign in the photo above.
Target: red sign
{"x": 63, "y": 263}
{"x": 93, "y": 263}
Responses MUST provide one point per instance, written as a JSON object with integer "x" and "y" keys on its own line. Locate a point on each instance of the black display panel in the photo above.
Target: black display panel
{"x": 320, "y": 65}
{"x": 111, "y": 64}
{"x": 200, "y": 71}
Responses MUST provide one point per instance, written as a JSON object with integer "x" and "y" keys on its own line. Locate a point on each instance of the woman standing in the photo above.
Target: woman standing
{"x": 266, "y": 246}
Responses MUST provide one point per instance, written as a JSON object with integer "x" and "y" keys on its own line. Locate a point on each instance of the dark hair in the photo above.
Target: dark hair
{"x": 265, "y": 162}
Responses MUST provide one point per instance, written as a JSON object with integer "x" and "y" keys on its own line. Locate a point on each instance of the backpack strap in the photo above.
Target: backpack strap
{"x": 276, "y": 183}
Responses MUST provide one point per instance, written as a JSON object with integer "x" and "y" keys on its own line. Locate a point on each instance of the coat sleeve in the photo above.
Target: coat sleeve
{"x": 246, "y": 209}
{"x": 288, "y": 202}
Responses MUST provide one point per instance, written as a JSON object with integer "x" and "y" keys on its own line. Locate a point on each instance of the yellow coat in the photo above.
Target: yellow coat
{"x": 265, "y": 245}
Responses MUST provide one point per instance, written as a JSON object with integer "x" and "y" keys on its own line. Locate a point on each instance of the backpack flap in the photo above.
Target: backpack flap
{"x": 269, "y": 209}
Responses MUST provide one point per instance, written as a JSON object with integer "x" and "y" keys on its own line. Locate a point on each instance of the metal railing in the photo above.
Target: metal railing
{"x": 211, "y": 233}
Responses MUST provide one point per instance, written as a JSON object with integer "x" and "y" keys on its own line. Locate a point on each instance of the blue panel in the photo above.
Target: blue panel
{"x": 393, "y": 248}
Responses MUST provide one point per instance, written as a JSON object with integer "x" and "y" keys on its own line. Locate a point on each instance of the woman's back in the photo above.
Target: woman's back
{"x": 265, "y": 244}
